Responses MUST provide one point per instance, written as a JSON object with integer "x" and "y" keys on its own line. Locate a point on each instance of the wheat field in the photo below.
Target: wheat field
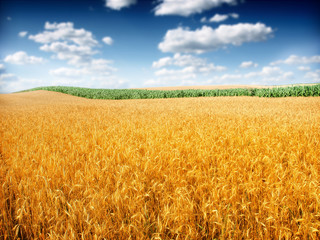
{"x": 192, "y": 168}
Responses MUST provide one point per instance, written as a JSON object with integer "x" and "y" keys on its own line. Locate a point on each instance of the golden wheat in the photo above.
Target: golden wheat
{"x": 194, "y": 168}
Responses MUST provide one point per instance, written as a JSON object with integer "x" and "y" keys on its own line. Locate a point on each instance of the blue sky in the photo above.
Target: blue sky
{"x": 140, "y": 43}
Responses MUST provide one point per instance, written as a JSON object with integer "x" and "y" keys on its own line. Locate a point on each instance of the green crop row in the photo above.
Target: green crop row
{"x": 294, "y": 91}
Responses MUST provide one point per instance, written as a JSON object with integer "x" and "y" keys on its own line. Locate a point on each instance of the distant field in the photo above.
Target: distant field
{"x": 286, "y": 91}
{"x": 191, "y": 168}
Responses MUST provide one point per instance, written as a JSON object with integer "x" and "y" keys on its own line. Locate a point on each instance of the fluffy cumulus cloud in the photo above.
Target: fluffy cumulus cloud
{"x": 304, "y": 68}
{"x": 75, "y": 54}
{"x": 220, "y": 17}
{"x": 234, "y": 15}
{"x": 97, "y": 66}
{"x": 182, "y": 67}
{"x": 265, "y": 72}
{"x": 294, "y": 59}
{"x": 15, "y": 83}
{"x": 3, "y": 77}
{"x": 187, "y": 69}
{"x": 208, "y": 39}
{"x": 167, "y": 75}
{"x": 107, "y": 40}
{"x": 78, "y": 48}
{"x": 174, "y": 80}
{"x": 267, "y": 75}
{"x": 188, "y": 7}
{"x": 118, "y": 4}
{"x": 64, "y": 31}
{"x": 226, "y": 79}
{"x": 23, "y": 34}
{"x": 7, "y": 77}
{"x": 68, "y": 72}
{"x": 270, "y": 74}
{"x": 248, "y": 64}
{"x": 21, "y": 58}
{"x": 313, "y": 76}
{"x": 187, "y": 61}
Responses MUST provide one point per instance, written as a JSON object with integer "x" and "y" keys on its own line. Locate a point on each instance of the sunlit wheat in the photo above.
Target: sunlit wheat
{"x": 192, "y": 168}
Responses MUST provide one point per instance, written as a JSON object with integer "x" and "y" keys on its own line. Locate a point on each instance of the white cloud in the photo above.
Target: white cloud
{"x": 2, "y": 67}
{"x": 203, "y": 20}
{"x": 185, "y": 73}
{"x": 182, "y": 69}
{"x": 270, "y": 74}
{"x": 98, "y": 68}
{"x": 75, "y": 54}
{"x": 77, "y": 47}
{"x": 234, "y": 15}
{"x": 220, "y": 17}
{"x": 7, "y": 77}
{"x": 288, "y": 75}
{"x": 293, "y": 59}
{"x": 67, "y": 43}
{"x": 162, "y": 62}
{"x": 68, "y": 72}
{"x": 23, "y": 34}
{"x": 313, "y": 76}
{"x": 110, "y": 82}
{"x": 188, "y": 7}
{"x": 209, "y": 39}
{"x": 266, "y": 75}
{"x": 226, "y": 79}
{"x": 107, "y": 40}
{"x": 118, "y": 4}
{"x": 22, "y": 58}
{"x": 172, "y": 81}
{"x": 18, "y": 84}
{"x": 248, "y": 64}
{"x": 265, "y": 72}
{"x": 197, "y": 64}
{"x": 304, "y": 68}
{"x": 188, "y": 69}
{"x": 229, "y": 77}
{"x": 101, "y": 66}
{"x": 64, "y": 31}
{"x": 97, "y": 75}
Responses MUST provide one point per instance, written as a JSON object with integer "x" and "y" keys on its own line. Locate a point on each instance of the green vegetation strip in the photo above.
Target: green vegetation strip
{"x": 294, "y": 91}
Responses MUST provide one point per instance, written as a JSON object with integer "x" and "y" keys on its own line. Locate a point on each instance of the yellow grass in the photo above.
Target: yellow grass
{"x": 192, "y": 168}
